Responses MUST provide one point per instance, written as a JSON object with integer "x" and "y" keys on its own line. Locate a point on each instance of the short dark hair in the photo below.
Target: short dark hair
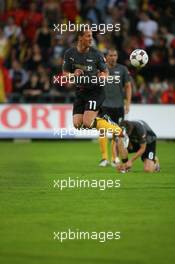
{"x": 127, "y": 125}
{"x": 111, "y": 49}
{"x": 81, "y": 32}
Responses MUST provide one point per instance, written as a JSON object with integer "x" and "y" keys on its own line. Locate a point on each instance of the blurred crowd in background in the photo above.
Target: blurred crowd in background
{"x": 31, "y": 52}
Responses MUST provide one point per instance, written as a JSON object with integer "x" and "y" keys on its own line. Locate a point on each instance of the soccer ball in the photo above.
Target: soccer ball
{"x": 139, "y": 58}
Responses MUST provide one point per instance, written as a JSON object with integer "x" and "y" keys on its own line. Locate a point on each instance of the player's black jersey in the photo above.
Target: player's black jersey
{"x": 90, "y": 62}
{"x": 141, "y": 133}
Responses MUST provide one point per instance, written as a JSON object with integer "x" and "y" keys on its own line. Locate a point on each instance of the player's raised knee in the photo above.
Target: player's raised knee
{"x": 77, "y": 124}
{"x": 87, "y": 123}
{"x": 77, "y": 121}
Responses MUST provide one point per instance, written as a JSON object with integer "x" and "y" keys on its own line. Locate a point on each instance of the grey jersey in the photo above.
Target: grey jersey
{"x": 142, "y": 133}
{"x": 90, "y": 62}
{"x": 114, "y": 92}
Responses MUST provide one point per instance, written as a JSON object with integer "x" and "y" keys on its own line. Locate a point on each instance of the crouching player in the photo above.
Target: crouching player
{"x": 142, "y": 142}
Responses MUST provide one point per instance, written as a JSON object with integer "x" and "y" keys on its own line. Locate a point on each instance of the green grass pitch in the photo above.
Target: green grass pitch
{"x": 142, "y": 209}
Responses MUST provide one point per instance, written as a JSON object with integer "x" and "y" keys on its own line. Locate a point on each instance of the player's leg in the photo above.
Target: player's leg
{"x": 151, "y": 166}
{"x": 108, "y": 126}
{"x": 113, "y": 114}
{"x": 110, "y": 112}
{"x": 90, "y": 119}
{"x": 114, "y": 153}
{"x": 151, "y": 163}
{"x": 78, "y": 110}
{"x": 78, "y": 120}
{"x": 103, "y": 142}
{"x": 117, "y": 115}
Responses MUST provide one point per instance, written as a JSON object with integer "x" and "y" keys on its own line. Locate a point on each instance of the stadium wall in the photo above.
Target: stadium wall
{"x": 55, "y": 121}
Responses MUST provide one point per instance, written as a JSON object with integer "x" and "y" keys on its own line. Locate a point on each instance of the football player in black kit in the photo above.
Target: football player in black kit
{"x": 83, "y": 60}
{"x": 142, "y": 142}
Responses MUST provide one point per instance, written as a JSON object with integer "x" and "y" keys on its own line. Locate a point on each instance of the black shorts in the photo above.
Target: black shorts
{"x": 116, "y": 114}
{"x": 90, "y": 100}
{"x": 150, "y": 151}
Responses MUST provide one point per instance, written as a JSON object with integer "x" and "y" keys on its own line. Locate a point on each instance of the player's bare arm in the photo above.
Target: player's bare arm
{"x": 138, "y": 154}
{"x": 128, "y": 89}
